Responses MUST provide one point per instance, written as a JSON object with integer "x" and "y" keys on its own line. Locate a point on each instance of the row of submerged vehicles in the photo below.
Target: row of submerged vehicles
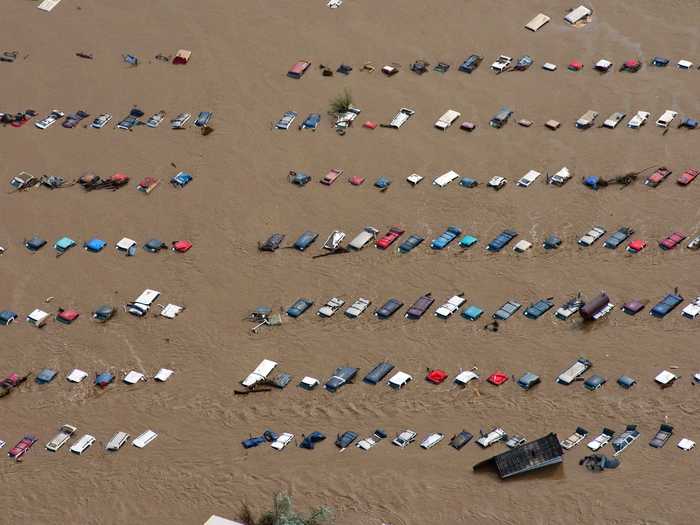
{"x": 81, "y": 445}
{"x": 131, "y": 120}
{"x": 370, "y": 234}
{"x": 590, "y": 310}
{"x": 619, "y": 443}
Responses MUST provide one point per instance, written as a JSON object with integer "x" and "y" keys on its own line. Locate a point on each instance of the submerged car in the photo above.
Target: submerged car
{"x": 21, "y": 448}
{"x": 74, "y": 119}
{"x": 405, "y": 438}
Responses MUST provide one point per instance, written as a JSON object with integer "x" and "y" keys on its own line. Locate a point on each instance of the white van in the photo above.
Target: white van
{"x": 445, "y": 179}
{"x": 117, "y": 441}
{"x": 260, "y": 373}
{"x": 144, "y": 439}
{"x": 666, "y": 118}
{"x": 399, "y": 380}
{"x": 140, "y": 306}
{"x": 447, "y": 119}
{"x": 83, "y": 444}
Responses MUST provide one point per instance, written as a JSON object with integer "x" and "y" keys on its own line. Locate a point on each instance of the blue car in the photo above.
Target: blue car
{"x": 502, "y": 240}
{"x": 472, "y": 313}
{"x": 665, "y": 305}
{"x": 446, "y": 238}
{"x": 300, "y": 179}
{"x": 310, "y": 440}
{"x": 299, "y": 307}
{"x": 311, "y": 122}
{"x": 382, "y": 183}
{"x": 94, "y": 245}
{"x": 410, "y": 243}
{"x": 305, "y": 240}
{"x": 203, "y": 118}
{"x": 181, "y": 180}
{"x": 470, "y": 64}
{"x": 468, "y": 241}
{"x": 466, "y": 182}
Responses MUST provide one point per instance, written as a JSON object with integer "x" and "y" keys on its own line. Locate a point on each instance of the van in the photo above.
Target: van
{"x": 613, "y": 120}
{"x": 82, "y": 444}
{"x": 363, "y": 238}
{"x": 576, "y": 369}
{"x": 666, "y": 118}
{"x": 117, "y": 441}
{"x": 501, "y": 118}
{"x": 447, "y": 119}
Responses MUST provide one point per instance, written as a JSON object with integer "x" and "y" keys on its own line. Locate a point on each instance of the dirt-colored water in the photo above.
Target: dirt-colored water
{"x": 240, "y": 195}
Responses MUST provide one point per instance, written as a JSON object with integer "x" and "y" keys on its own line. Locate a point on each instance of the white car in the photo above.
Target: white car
{"x": 463, "y": 378}
{"x": 83, "y": 444}
{"x": 497, "y": 182}
{"x": 401, "y": 118}
{"x": 180, "y": 120}
{"x": 692, "y": 310}
{"x": 60, "y": 439}
{"x": 446, "y": 310}
{"x": 613, "y": 120}
{"x": 496, "y": 435}
{"x": 260, "y": 373}
{"x": 50, "y": 119}
{"x": 400, "y": 380}
{"x": 404, "y": 438}
{"x": 140, "y": 306}
{"x": 358, "y": 307}
{"x": 592, "y": 236}
{"x": 528, "y": 178}
{"x": 363, "y": 238}
{"x": 447, "y": 119}
{"x": 101, "y": 120}
{"x": 331, "y": 307}
{"x": 282, "y": 441}
{"x": 503, "y": 63}
{"x": 432, "y": 440}
{"x": 561, "y": 177}
{"x": 144, "y": 439}
{"x": 638, "y": 120}
{"x": 155, "y": 120}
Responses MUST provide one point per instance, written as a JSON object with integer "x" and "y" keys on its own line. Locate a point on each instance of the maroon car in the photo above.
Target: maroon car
{"x": 657, "y": 177}
{"x": 21, "y": 448}
{"x": 389, "y": 238}
{"x": 673, "y": 240}
{"x": 688, "y": 176}
{"x": 421, "y": 306}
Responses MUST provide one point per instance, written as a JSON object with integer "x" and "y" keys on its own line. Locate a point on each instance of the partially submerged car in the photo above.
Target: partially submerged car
{"x": 497, "y": 182}
{"x": 298, "y": 69}
{"x": 340, "y": 377}
{"x": 578, "y": 367}
{"x": 405, "y": 438}
{"x": 74, "y": 119}
{"x": 299, "y": 307}
{"x": 657, "y": 177}
{"x": 452, "y": 305}
{"x": 506, "y": 311}
{"x": 363, "y": 238}
{"x": 613, "y": 120}
{"x": 688, "y": 176}
{"x": 422, "y": 304}
{"x": 22, "y": 447}
{"x": 592, "y": 236}
{"x": 624, "y": 440}
{"x": 431, "y": 440}
{"x": 501, "y": 64}
{"x": 401, "y": 118}
{"x": 617, "y": 238}
{"x": 357, "y": 308}
{"x": 500, "y": 119}
{"x": 537, "y": 309}
{"x": 286, "y": 120}
{"x": 673, "y": 240}
{"x": 470, "y": 64}
{"x": 502, "y": 240}
{"x": 388, "y": 309}
{"x": 494, "y": 436}
{"x": 142, "y": 304}
{"x": 345, "y": 439}
{"x": 50, "y": 119}
{"x": 390, "y": 237}
{"x": 666, "y": 305}
{"x": 331, "y": 307}
{"x": 638, "y": 120}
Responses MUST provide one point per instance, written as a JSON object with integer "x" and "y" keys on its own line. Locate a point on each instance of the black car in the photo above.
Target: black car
{"x": 272, "y": 243}
{"x": 345, "y": 439}
{"x": 340, "y": 377}
{"x": 378, "y": 373}
{"x": 470, "y": 64}
{"x": 460, "y": 440}
{"x": 74, "y": 119}
{"x": 310, "y": 440}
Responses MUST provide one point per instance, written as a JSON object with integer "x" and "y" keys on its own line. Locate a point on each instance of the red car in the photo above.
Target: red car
{"x": 673, "y": 240}
{"x": 498, "y": 378}
{"x": 657, "y": 177}
{"x": 21, "y": 448}
{"x": 632, "y": 66}
{"x": 67, "y": 316}
{"x": 688, "y": 176}
{"x": 331, "y": 176}
{"x": 575, "y": 65}
{"x": 636, "y": 246}
{"x": 436, "y": 376}
{"x": 389, "y": 238}
{"x": 298, "y": 69}
{"x": 356, "y": 180}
